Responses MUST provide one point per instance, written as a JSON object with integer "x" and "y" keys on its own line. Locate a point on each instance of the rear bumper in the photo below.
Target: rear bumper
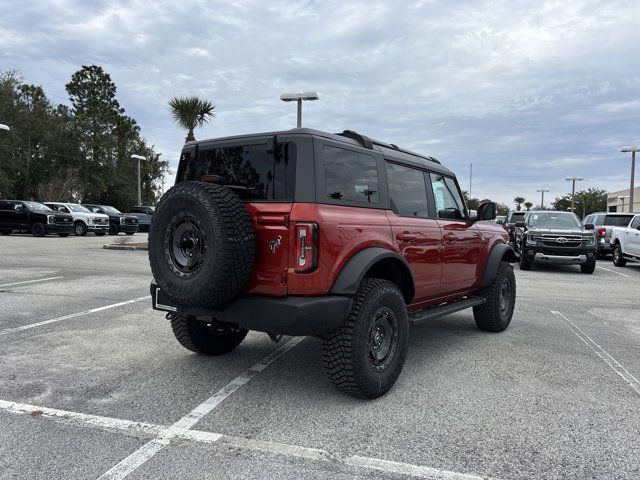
{"x": 290, "y": 315}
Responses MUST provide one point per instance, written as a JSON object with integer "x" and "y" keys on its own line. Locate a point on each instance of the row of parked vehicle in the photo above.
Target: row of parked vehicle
{"x": 561, "y": 238}
{"x": 63, "y": 219}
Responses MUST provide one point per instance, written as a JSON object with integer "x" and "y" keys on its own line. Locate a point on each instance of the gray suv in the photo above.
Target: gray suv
{"x": 604, "y": 223}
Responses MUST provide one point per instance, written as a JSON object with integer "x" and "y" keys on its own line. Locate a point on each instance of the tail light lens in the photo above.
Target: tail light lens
{"x": 602, "y": 232}
{"x": 306, "y": 247}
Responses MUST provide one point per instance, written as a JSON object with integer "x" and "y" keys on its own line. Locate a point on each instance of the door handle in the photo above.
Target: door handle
{"x": 406, "y": 236}
{"x": 449, "y": 237}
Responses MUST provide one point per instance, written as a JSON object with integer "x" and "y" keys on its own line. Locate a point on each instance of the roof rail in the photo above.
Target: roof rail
{"x": 363, "y": 140}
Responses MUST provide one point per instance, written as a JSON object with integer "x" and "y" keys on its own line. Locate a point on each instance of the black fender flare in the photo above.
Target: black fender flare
{"x": 357, "y": 266}
{"x": 499, "y": 252}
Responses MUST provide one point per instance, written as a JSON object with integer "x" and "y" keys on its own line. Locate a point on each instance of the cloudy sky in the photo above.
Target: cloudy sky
{"x": 529, "y": 92}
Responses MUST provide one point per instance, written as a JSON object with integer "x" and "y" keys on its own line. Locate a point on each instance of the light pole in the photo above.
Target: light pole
{"x": 573, "y": 181}
{"x": 542, "y": 190}
{"x": 621, "y": 198}
{"x": 299, "y": 97}
{"x": 633, "y": 151}
{"x": 139, "y": 158}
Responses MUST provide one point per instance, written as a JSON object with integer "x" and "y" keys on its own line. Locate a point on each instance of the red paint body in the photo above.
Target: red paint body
{"x": 447, "y": 257}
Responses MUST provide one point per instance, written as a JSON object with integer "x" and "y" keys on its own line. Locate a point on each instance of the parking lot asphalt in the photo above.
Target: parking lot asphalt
{"x": 93, "y": 384}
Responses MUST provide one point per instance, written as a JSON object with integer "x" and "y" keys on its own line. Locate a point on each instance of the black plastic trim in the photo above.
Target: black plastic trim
{"x": 500, "y": 252}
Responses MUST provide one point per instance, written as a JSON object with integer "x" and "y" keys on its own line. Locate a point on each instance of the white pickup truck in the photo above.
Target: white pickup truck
{"x": 626, "y": 242}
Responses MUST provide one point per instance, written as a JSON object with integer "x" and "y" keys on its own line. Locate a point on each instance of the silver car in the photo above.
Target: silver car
{"x": 604, "y": 223}
{"x": 84, "y": 220}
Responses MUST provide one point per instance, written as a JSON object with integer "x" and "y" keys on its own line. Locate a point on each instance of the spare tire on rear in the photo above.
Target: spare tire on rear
{"x": 201, "y": 244}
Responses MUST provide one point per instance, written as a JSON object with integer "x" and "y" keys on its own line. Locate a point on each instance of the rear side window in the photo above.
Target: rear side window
{"x": 635, "y": 223}
{"x": 617, "y": 220}
{"x": 254, "y": 172}
{"x": 447, "y": 198}
{"x": 6, "y": 206}
{"x": 407, "y": 191}
{"x": 349, "y": 175}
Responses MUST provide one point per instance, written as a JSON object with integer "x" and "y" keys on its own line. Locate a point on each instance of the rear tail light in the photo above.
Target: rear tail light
{"x": 306, "y": 247}
{"x": 602, "y": 232}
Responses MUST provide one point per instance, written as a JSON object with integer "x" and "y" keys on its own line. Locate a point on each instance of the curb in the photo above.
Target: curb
{"x": 126, "y": 246}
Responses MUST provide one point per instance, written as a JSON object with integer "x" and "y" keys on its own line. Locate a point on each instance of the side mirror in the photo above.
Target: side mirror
{"x": 589, "y": 226}
{"x": 520, "y": 224}
{"x": 487, "y": 210}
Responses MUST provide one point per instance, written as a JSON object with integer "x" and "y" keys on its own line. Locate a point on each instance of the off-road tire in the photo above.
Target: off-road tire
{"x": 495, "y": 314}
{"x": 79, "y": 229}
{"x": 38, "y": 229}
{"x": 6, "y": 231}
{"x": 219, "y": 237}
{"x": 589, "y": 267}
{"x": 203, "y": 338}
{"x": 346, "y": 352}
{"x": 618, "y": 259}
{"x": 524, "y": 263}
{"x": 113, "y": 229}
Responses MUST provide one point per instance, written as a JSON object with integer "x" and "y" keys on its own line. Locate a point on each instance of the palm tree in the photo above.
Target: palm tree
{"x": 191, "y": 112}
{"x": 528, "y": 205}
{"x": 519, "y": 201}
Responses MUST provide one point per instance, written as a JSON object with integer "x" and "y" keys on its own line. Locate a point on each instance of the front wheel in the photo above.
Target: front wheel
{"x": 364, "y": 357}
{"x": 588, "y": 267}
{"x": 495, "y": 314}
{"x": 205, "y": 338}
{"x": 618, "y": 258}
{"x": 38, "y": 229}
{"x": 80, "y": 229}
{"x": 113, "y": 229}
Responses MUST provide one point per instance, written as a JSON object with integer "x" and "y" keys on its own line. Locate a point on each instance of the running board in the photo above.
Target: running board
{"x": 445, "y": 309}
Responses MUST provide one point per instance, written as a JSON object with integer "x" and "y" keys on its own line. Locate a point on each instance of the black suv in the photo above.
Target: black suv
{"x": 33, "y": 217}
{"x": 555, "y": 238}
{"x": 118, "y": 221}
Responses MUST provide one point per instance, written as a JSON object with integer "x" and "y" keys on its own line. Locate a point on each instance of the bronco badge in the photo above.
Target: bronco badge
{"x": 274, "y": 244}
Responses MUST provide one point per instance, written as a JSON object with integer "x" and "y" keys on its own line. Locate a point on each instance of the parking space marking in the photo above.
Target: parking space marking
{"x": 164, "y": 434}
{"x": 72, "y": 315}
{"x": 613, "y": 271}
{"x": 147, "y": 451}
{"x": 602, "y": 353}
{"x": 29, "y": 281}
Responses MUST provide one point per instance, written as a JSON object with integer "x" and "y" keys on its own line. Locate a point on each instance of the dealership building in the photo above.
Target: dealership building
{"x": 619, "y": 201}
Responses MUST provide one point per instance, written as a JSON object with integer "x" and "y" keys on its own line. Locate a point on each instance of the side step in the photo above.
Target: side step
{"x": 445, "y": 309}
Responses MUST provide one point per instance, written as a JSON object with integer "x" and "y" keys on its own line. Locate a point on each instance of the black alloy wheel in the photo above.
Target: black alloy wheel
{"x": 383, "y": 338}
{"x": 38, "y": 230}
{"x": 186, "y": 245}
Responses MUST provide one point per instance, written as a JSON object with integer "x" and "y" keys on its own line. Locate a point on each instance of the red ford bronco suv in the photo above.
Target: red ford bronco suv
{"x": 337, "y": 236}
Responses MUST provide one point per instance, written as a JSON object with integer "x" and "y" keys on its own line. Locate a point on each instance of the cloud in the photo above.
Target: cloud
{"x": 529, "y": 92}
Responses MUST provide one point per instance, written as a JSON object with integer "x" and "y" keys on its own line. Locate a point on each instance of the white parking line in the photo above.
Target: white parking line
{"x": 602, "y": 353}
{"x": 144, "y": 453}
{"x": 29, "y": 281}
{"x": 613, "y": 271}
{"x": 162, "y": 439}
{"x": 72, "y": 315}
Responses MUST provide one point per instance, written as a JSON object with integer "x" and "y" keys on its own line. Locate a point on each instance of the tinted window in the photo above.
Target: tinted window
{"x": 252, "y": 171}
{"x": 407, "y": 191}
{"x": 617, "y": 220}
{"x": 517, "y": 217}
{"x": 447, "y": 197}
{"x": 349, "y": 175}
{"x": 6, "y": 206}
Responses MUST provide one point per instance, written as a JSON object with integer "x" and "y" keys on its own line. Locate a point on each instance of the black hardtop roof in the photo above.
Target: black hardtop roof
{"x": 388, "y": 150}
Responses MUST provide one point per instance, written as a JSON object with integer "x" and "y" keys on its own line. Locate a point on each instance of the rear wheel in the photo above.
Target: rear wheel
{"x": 38, "y": 229}
{"x": 618, "y": 258}
{"x": 495, "y": 314}
{"x": 80, "y": 229}
{"x": 206, "y": 338}
{"x": 5, "y": 231}
{"x": 588, "y": 267}
{"x": 364, "y": 357}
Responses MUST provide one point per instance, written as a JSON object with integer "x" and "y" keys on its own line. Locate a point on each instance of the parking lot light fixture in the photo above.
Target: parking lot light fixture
{"x": 139, "y": 158}
{"x": 633, "y": 151}
{"x": 4, "y": 127}
{"x": 621, "y": 198}
{"x": 299, "y": 98}
{"x": 573, "y": 181}
{"x": 542, "y": 190}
